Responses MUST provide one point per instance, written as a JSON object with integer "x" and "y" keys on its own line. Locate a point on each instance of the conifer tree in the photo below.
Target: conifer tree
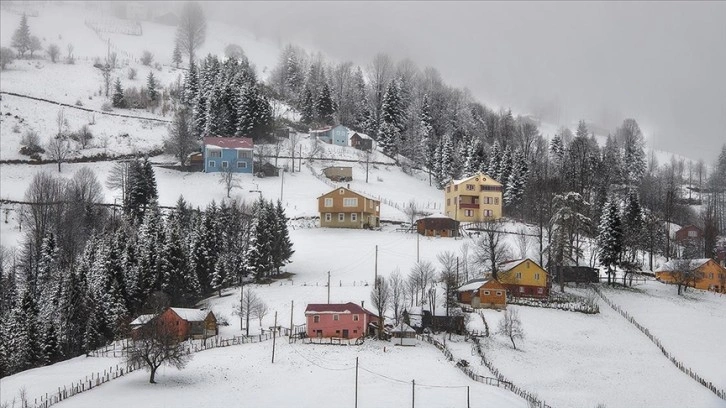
{"x": 176, "y": 57}
{"x": 117, "y": 99}
{"x": 517, "y": 181}
{"x": 610, "y": 237}
{"x": 151, "y": 87}
{"x": 191, "y": 86}
{"x": 307, "y": 111}
{"x": 21, "y": 37}
{"x": 282, "y": 246}
{"x": 24, "y": 341}
{"x": 324, "y": 106}
{"x": 495, "y": 159}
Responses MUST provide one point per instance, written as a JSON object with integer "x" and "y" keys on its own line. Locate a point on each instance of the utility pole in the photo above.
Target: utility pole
{"x": 368, "y": 159}
{"x": 457, "y": 271}
{"x": 328, "y": 287}
{"x": 356, "y": 382}
{"x": 375, "y": 271}
{"x": 299, "y": 160}
{"x": 413, "y": 393}
{"x": 282, "y": 182}
{"x": 292, "y": 307}
{"x": 274, "y": 332}
{"x": 241, "y": 300}
{"x": 468, "y": 404}
{"x": 418, "y": 236}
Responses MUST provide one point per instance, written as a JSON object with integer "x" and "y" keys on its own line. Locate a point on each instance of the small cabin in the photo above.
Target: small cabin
{"x": 438, "y": 226}
{"x": 338, "y": 173}
{"x": 403, "y": 335}
{"x": 361, "y": 143}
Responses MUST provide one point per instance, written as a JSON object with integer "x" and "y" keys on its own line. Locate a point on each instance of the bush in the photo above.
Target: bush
{"x": 30, "y": 138}
{"x": 82, "y": 136}
{"x": 16, "y": 128}
{"x": 132, "y": 73}
{"x": 31, "y": 151}
{"x": 7, "y": 56}
{"x": 147, "y": 57}
{"x": 78, "y": 102}
{"x": 106, "y": 107}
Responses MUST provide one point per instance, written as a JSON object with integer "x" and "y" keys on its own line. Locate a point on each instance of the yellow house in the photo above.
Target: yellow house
{"x": 524, "y": 278}
{"x": 344, "y": 208}
{"x": 709, "y": 274}
{"x": 474, "y": 199}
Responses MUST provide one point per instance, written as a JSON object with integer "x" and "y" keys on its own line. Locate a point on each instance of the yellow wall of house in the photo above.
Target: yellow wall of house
{"x": 712, "y": 276}
{"x": 527, "y": 273}
{"x": 469, "y": 191}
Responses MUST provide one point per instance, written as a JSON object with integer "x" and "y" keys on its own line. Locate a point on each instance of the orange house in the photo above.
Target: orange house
{"x": 187, "y": 323}
{"x": 709, "y": 275}
{"x": 483, "y": 293}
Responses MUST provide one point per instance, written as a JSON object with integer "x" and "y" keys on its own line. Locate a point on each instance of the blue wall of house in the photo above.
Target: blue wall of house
{"x": 239, "y": 165}
{"x": 340, "y": 135}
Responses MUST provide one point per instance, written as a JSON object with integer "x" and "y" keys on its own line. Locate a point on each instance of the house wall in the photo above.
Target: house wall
{"x": 214, "y": 164}
{"x": 712, "y": 277}
{"x": 327, "y": 326}
{"x": 526, "y": 279}
{"x": 442, "y": 227}
{"x": 493, "y": 294}
{"x": 473, "y": 200}
{"x": 683, "y": 233}
{"x": 339, "y": 135}
{"x": 182, "y": 327}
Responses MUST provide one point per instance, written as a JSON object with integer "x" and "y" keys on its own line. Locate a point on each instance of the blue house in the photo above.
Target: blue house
{"x": 221, "y": 153}
{"x": 337, "y": 135}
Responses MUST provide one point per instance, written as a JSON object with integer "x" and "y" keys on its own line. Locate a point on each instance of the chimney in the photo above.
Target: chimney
{"x": 348, "y": 186}
{"x": 362, "y": 304}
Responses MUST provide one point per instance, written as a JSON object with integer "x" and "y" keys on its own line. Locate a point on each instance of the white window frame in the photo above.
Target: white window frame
{"x": 499, "y": 293}
{"x": 241, "y": 164}
{"x": 244, "y": 154}
{"x": 540, "y": 291}
{"x": 521, "y": 289}
{"x": 353, "y": 217}
{"x": 215, "y": 153}
{"x": 468, "y": 213}
{"x": 328, "y": 217}
{"x": 316, "y": 319}
{"x": 519, "y": 275}
{"x": 341, "y": 191}
{"x": 336, "y": 317}
{"x": 328, "y": 202}
{"x": 470, "y": 187}
{"x": 212, "y": 163}
{"x": 341, "y": 217}
{"x": 536, "y": 276}
{"x": 225, "y": 164}
{"x": 350, "y": 202}
{"x": 356, "y": 318}
{"x": 486, "y": 293}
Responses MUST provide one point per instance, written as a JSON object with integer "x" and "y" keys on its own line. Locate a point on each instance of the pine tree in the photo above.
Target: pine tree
{"x": 505, "y": 168}
{"x": 254, "y": 114}
{"x": 21, "y": 37}
{"x": 204, "y": 248}
{"x": 178, "y": 280}
{"x": 258, "y": 255}
{"x": 117, "y": 100}
{"x": 631, "y": 137}
{"x": 24, "y": 335}
{"x": 151, "y": 87}
{"x": 517, "y": 181}
{"x": 391, "y": 124}
{"x": 176, "y": 57}
{"x": 473, "y": 158}
{"x": 610, "y": 237}
{"x": 495, "y": 160}
{"x": 191, "y": 86}
{"x": 447, "y": 160}
{"x": 282, "y": 246}
{"x": 325, "y": 106}
{"x": 632, "y": 221}
{"x": 307, "y": 111}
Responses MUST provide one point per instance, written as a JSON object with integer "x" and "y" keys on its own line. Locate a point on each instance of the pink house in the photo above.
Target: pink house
{"x": 344, "y": 320}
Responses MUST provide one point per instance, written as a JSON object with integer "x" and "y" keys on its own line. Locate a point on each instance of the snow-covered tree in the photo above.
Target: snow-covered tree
{"x": 21, "y": 36}
{"x": 610, "y": 237}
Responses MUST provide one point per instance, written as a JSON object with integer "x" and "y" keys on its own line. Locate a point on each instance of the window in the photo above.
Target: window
{"x": 341, "y": 217}
{"x": 710, "y": 275}
{"x": 355, "y": 331}
{"x": 336, "y": 317}
{"x": 468, "y": 213}
{"x": 225, "y": 164}
{"x": 241, "y": 165}
{"x": 540, "y": 291}
{"x": 448, "y": 201}
{"x": 354, "y": 217}
{"x": 244, "y": 154}
{"x": 328, "y": 217}
{"x": 448, "y": 189}
{"x": 499, "y": 293}
{"x": 496, "y": 201}
{"x": 469, "y": 187}
{"x": 488, "y": 213}
{"x": 355, "y": 318}
{"x": 456, "y": 188}
{"x": 692, "y": 233}
{"x": 486, "y": 293}
{"x": 350, "y": 202}
{"x": 536, "y": 276}
{"x": 341, "y": 191}
{"x": 519, "y": 275}
{"x": 316, "y": 319}
{"x": 215, "y": 153}
{"x": 521, "y": 289}
{"x": 328, "y": 202}
{"x": 212, "y": 163}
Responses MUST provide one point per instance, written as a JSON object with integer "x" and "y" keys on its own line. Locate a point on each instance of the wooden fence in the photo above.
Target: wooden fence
{"x": 560, "y": 301}
{"x": 681, "y": 366}
{"x": 120, "y": 349}
{"x": 499, "y": 381}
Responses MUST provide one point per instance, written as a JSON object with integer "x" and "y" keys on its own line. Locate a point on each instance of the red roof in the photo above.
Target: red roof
{"x": 229, "y": 142}
{"x": 336, "y": 308}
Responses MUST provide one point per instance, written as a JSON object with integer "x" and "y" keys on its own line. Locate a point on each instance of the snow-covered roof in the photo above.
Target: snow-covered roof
{"x": 355, "y": 192}
{"x": 437, "y": 215}
{"x": 676, "y": 264}
{"x": 403, "y": 328}
{"x": 351, "y": 133}
{"x": 191, "y": 315}
{"x": 509, "y": 265}
{"x": 321, "y": 130}
{"x": 228, "y": 142}
{"x": 142, "y": 320}
{"x": 486, "y": 176}
{"x": 473, "y": 284}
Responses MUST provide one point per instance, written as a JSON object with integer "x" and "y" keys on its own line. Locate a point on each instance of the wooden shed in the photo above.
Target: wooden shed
{"x": 403, "y": 335}
{"x": 438, "y": 225}
{"x": 339, "y": 173}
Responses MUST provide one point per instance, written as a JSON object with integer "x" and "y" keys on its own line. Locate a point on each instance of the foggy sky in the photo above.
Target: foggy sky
{"x": 662, "y": 63}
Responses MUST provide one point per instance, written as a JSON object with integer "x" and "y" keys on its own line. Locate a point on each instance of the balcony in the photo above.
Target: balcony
{"x": 466, "y": 205}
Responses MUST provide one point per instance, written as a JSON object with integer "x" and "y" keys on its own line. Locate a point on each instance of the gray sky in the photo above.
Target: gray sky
{"x": 663, "y": 63}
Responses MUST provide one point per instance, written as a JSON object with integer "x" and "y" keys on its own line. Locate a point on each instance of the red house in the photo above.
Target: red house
{"x": 344, "y": 320}
{"x": 189, "y": 323}
{"x": 689, "y": 232}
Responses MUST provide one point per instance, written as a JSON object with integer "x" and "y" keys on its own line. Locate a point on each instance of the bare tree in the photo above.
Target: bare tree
{"x": 228, "y": 178}
{"x": 250, "y": 303}
{"x": 379, "y": 73}
{"x": 181, "y": 141}
{"x": 398, "y": 293}
{"x": 260, "y": 310}
{"x": 58, "y": 150}
{"x": 118, "y": 178}
{"x": 84, "y": 136}
{"x": 147, "y": 58}
{"x": 380, "y": 297}
{"x": 53, "y": 52}
{"x": 684, "y": 274}
{"x": 192, "y": 29}
{"x": 448, "y": 276}
{"x": 523, "y": 242}
{"x": 35, "y": 45}
{"x": 294, "y": 141}
{"x": 158, "y": 343}
{"x": 412, "y": 212}
{"x": 511, "y": 326}
{"x": 422, "y": 274}
{"x": 464, "y": 250}
{"x": 491, "y": 250}
{"x": 45, "y": 193}
{"x": 70, "y": 58}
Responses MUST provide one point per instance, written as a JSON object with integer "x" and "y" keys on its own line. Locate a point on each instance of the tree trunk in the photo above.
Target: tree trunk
{"x": 512, "y": 339}
{"x": 59, "y": 166}
{"x": 153, "y": 373}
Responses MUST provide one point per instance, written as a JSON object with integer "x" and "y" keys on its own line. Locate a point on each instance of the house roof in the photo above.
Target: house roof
{"x": 509, "y": 265}
{"x": 142, "y": 319}
{"x": 473, "y": 284}
{"x": 674, "y": 264}
{"x": 190, "y": 315}
{"x": 487, "y": 177}
{"x": 321, "y": 130}
{"x": 403, "y": 328}
{"x": 229, "y": 142}
{"x": 352, "y": 133}
{"x": 438, "y": 215}
{"x": 350, "y": 307}
{"x": 354, "y": 192}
